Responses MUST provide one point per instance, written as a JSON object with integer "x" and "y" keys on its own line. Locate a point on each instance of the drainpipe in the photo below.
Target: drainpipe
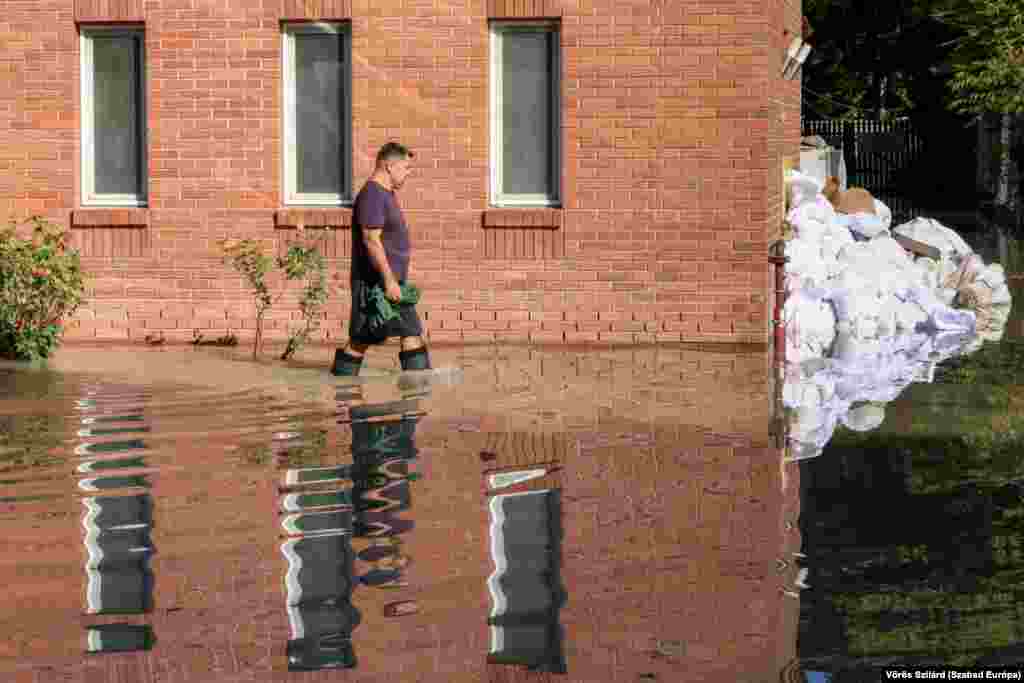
{"x": 778, "y": 260}
{"x": 776, "y": 251}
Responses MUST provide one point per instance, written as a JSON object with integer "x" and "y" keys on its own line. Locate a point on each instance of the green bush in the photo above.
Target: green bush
{"x": 41, "y": 283}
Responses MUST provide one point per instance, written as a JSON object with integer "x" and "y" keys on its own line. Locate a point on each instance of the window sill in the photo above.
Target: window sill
{"x": 331, "y": 218}
{"x": 532, "y": 217}
{"x": 537, "y": 9}
{"x": 106, "y": 218}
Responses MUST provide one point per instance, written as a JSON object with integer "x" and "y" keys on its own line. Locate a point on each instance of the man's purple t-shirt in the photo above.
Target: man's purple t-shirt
{"x": 376, "y": 206}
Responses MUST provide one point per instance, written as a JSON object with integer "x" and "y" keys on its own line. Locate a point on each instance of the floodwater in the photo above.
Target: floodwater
{"x": 180, "y": 514}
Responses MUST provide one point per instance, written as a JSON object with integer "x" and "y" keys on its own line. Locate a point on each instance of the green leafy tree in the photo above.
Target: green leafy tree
{"x": 988, "y": 76}
{"x": 988, "y": 60}
{"x": 874, "y": 60}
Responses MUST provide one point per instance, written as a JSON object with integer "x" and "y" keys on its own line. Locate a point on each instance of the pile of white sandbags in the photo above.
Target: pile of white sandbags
{"x": 865, "y": 318}
{"x": 846, "y": 273}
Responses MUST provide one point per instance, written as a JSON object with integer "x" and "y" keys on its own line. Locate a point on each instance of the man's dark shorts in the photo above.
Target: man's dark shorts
{"x": 408, "y": 324}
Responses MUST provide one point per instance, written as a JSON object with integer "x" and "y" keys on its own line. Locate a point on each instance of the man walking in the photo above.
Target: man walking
{"x": 380, "y": 258}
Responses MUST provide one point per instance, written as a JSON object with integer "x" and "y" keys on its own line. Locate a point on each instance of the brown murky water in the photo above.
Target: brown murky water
{"x": 171, "y": 514}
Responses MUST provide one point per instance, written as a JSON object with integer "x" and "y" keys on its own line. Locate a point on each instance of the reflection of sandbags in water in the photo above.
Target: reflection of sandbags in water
{"x": 864, "y": 417}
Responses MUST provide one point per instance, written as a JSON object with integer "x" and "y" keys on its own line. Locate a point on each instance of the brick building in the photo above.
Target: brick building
{"x": 587, "y": 171}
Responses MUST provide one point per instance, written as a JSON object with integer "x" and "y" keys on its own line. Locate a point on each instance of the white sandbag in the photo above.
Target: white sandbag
{"x": 867, "y": 226}
{"x": 945, "y": 318}
{"x": 806, "y": 263}
{"x": 810, "y": 231}
{"x": 820, "y": 210}
{"x": 884, "y": 214}
{"x": 802, "y": 188}
{"x": 992, "y": 275}
{"x": 910, "y": 316}
{"x": 889, "y": 312}
{"x": 935, "y": 234}
{"x": 805, "y": 260}
{"x": 941, "y": 316}
{"x": 929, "y": 272}
{"x": 890, "y": 252}
{"x": 836, "y": 231}
{"x": 810, "y": 325}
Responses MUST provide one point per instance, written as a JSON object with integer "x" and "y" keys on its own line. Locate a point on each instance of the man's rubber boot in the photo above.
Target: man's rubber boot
{"x": 346, "y": 365}
{"x": 417, "y": 359}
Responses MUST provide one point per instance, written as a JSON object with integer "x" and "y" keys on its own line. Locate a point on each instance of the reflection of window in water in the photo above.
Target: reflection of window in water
{"x": 525, "y": 586}
{"x": 117, "y": 539}
{"x": 317, "y": 516}
{"x": 118, "y": 525}
{"x": 320, "y": 611}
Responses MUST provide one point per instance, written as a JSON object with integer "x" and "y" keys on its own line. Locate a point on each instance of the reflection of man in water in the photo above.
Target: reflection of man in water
{"x": 382, "y": 450}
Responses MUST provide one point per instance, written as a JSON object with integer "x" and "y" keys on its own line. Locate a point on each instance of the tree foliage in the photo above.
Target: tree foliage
{"x": 988, "y": 60}
{"x": 875, "y": 59}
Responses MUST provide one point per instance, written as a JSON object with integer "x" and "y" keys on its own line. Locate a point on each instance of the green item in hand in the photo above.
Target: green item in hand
{"x": 380, "y": 309}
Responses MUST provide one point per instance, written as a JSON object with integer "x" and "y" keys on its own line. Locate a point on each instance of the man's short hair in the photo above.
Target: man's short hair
{"x": 392, "y": 151}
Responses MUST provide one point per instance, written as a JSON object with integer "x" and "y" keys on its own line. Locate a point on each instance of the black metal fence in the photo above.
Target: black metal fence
{"x": 877, "y": 155}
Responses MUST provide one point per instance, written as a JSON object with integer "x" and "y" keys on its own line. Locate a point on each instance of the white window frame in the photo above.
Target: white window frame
{"x": 88, "y": 141}
{"x": 499, "y": 198}
{"x": 289, "y": 170}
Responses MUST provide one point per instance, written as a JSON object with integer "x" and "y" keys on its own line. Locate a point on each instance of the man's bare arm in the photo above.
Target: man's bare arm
{"x": 379, "y": 257}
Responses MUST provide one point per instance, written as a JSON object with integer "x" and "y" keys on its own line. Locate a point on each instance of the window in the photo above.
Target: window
{"x": 525, "y": 113}
{"x": 317, "y": 114}
{"x": 114, "y": 162}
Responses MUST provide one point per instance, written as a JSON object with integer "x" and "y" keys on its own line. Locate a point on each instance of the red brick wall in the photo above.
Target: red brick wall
{"x": 675, "y": 123}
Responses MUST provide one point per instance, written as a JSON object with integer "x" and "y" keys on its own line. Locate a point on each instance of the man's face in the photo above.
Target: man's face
{"x": 399, "y": 170}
